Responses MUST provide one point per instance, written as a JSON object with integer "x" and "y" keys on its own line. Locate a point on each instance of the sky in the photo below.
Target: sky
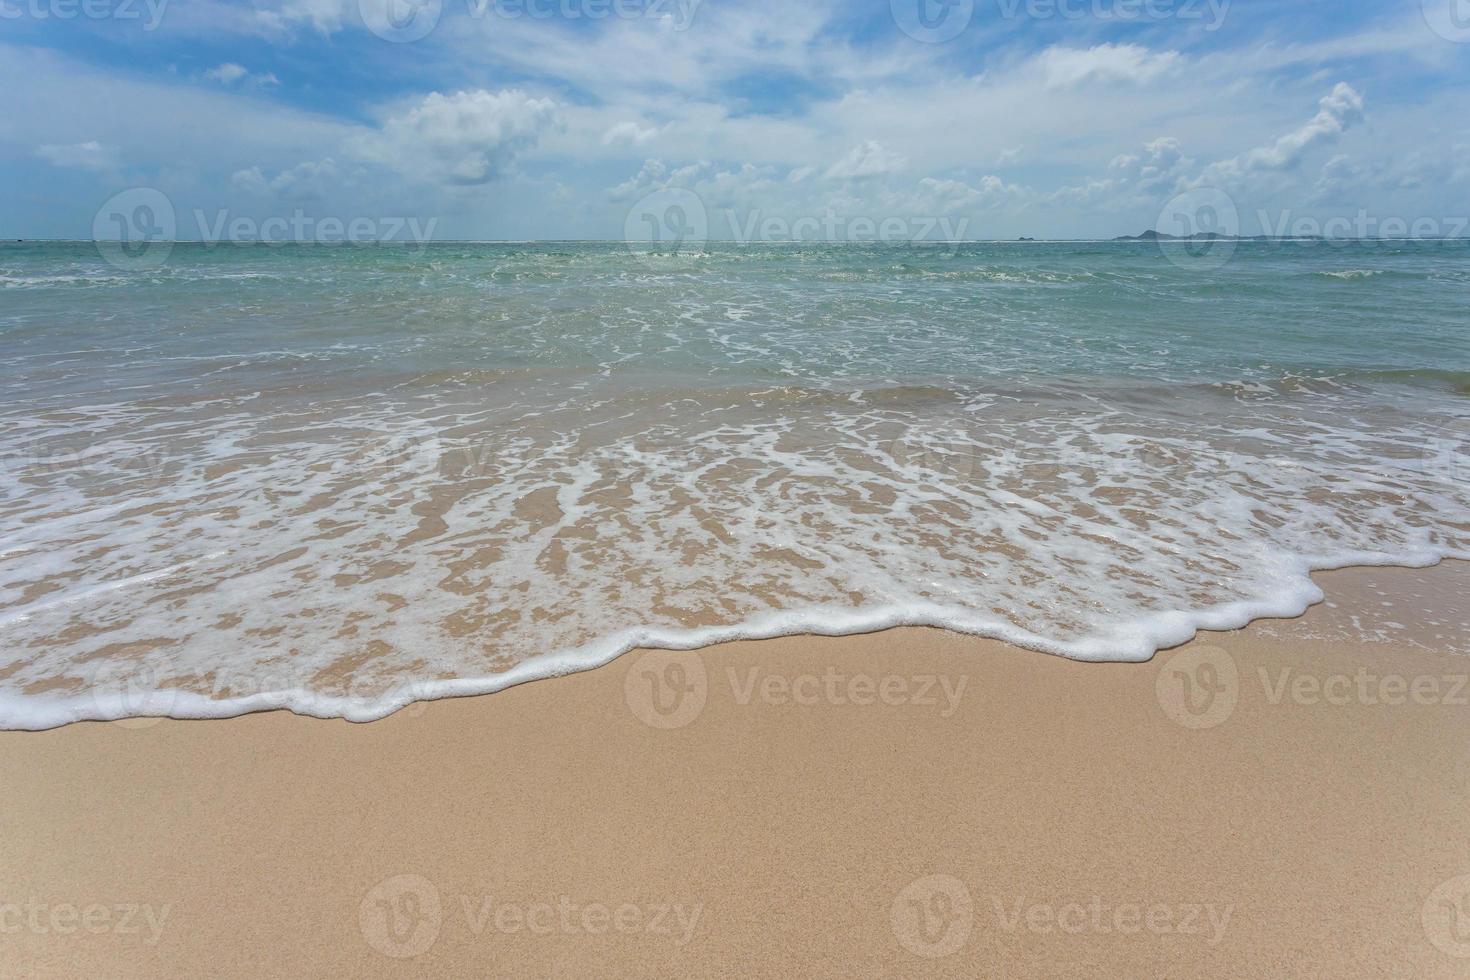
{"x": 733, "y": 119}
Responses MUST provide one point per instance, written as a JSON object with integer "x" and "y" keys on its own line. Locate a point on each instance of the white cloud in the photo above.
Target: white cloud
{"x": 305, "y": 181}
{"x": 1150, "y": 176}
{"x": 1341, "y": 109}
{"x": 743, "y": 186}
{"x": 1137, "y": 181}
{"x": 1338, "y": 112}
{"x": 466, "y": 138}
{"x": 628, "y": 134}
{"x": 229, "y": 73}
{"x": 90, "y": 155}
{"x": 1104, "y": 126}
{"x": 1068, "y": 67}
{"x": 284, "y": 16}
{"x": 868, "y": 159}
{"x": 1349, "y": 180}
{"x": 740, "y": 199}
{"x": 655, "y": 175}
{"x": 950, "y": 196}
{"x": 1159, "y": 168}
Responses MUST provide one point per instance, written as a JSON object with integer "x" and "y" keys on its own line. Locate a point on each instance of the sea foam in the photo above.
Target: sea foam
{"x": 338, "y": 503}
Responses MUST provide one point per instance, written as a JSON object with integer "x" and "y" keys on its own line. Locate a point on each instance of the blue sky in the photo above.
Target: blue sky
{"x": 563, "y": 118}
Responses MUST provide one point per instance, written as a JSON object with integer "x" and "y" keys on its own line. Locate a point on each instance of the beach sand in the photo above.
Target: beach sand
{"x": 1280, "y": 801}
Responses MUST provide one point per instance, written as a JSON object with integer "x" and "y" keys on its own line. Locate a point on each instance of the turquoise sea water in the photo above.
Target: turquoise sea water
{"x": 819, "y": 314}
{"x": 339, "y": 478}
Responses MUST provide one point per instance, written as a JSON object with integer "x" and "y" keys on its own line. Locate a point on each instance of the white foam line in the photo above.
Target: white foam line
{"x": 1137, "y": 644}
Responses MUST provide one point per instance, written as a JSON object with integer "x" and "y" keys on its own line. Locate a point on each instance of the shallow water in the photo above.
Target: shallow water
{"x": 338, "y": 479}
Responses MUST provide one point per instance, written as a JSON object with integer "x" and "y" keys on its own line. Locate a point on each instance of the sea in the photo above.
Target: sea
{"x": 341, "y": 479}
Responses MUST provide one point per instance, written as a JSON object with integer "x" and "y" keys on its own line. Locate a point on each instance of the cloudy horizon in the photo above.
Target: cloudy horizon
{"x": 556, "y": 119}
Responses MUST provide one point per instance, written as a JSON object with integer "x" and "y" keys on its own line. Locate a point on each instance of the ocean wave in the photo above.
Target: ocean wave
{"x": 374, "y": 476}
{"x": 522, "y": 531}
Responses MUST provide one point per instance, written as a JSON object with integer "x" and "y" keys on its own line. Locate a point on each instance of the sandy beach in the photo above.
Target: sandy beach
{"x": 742, "y": 489}
{"x": 1273, "y": 802}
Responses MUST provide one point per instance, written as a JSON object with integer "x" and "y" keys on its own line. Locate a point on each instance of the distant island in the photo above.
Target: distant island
{"x": 1209, "y": 236}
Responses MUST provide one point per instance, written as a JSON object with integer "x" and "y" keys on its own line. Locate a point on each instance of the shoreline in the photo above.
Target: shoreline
{"x": 1265, "y": 801}
{"x": 21, "y": 715}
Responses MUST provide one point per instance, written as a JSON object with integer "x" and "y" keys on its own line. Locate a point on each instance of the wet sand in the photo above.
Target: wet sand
{"x": 1292, "y": 799}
